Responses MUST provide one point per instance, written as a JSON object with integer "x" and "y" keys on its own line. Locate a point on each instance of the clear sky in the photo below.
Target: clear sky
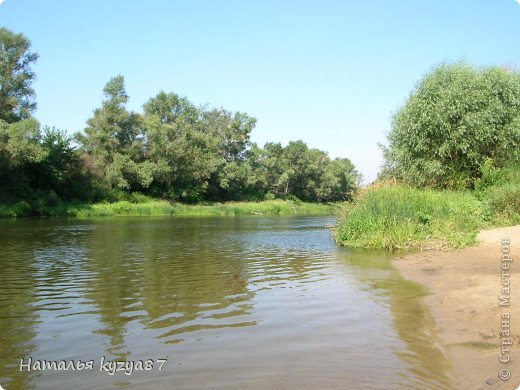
{"x": 328, "y": 72}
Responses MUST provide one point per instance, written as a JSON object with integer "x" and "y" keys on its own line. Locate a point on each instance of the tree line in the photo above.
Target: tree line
{"x": 172, "y": 150}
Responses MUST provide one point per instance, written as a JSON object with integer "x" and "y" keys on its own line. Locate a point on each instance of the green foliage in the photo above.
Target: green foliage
{"x": 181, "y": 146}
{"x": 492, "y": 176}
{"x": 276, "y": 207}
{"x": 174, "y": 151}
{"x": 143, "y": 206}
{"x": 394, "y": 217}
{"x": 20, "y": 147}
{"x": 456, "y": 119}
{"x": 16, "y": 76}
{"x": 60, "y": 173}
{"x": 338, "y": 181}
{"x": 499, "y": 189}
{"x": 20, "y": 142}
{"x": 113, "y": 141}
{"x": 504, "y": 203}
{"x": 39, "y": 165}
{"x": 191, "y": 154}
{"x": 18, "y": 209}
{"x": 307, "y": 174}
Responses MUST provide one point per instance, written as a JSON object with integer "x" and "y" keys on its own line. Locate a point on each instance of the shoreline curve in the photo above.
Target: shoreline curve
{"x": 464, "y": 288}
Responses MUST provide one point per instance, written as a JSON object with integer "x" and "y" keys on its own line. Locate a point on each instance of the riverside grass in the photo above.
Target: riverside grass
{"x": 164, "y": 208}
{"x": 499, "y": 190}
{"x": 400, "y": 217}
{"x": 274, "y": 207}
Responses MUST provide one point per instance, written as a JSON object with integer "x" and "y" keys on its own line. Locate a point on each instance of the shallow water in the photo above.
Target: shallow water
{"x": 231, "y": 303}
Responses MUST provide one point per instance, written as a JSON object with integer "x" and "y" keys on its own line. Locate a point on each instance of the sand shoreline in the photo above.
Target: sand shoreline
{"x": 464, "y": 288}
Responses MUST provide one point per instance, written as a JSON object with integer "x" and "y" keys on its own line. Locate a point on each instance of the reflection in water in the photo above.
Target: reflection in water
{"x": 231, "y": 302}
{"x": 412, "y": 318}
{"x": 18, "y": 319}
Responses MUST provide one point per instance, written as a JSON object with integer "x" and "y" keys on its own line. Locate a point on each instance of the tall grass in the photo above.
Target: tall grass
{"x": 499, "y": 189}
{"x": 150, "y": 207}
{"x": 503, "y": 203}
{"x": 394, "y": 217}
{"x": 274, "y": 207}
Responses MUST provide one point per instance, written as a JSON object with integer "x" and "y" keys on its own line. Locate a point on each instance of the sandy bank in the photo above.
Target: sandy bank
{"x": 464, "y": 298}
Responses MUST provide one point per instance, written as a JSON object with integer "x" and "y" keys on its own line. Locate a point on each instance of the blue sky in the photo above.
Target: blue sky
{"x": 328, "y": 72}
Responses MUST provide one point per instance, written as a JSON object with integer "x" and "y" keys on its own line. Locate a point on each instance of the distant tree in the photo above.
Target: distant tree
{"x": 457, "y": 118}
{"x": 338, "y": 181}
{"x": 301, "y": 169}
{"x": 231, "y": 135}
{"x": 308, "y": 174}
{"x": 173, "y": 150}
{"x": 179, "y": 150}
{"x": 20, "y": 145}
{"x": 113, "y": 141}
{"x": 16, "y": 95}
{"x": 199, "y": 153}
{"x": 232, "y": 129}
{"x": 245, "y": 178}
{"x": 59, "y": 174}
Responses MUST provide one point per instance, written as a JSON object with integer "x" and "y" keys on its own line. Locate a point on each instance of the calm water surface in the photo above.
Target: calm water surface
{"x": 231, "y": 303}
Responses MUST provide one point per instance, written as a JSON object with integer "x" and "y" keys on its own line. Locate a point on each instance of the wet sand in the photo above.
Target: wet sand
{"x": 464, "y": 287}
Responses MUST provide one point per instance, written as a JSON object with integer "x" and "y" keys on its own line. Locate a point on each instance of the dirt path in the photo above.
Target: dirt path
{"x": 465, "y": 286}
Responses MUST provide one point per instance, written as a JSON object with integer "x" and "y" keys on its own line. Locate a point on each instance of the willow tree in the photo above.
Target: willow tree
{"x": 457, "y": 118}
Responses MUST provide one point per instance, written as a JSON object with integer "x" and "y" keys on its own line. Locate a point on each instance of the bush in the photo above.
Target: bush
{"x": 269, "y": 196}
{"x": 504, "y": 203}
{"x": 499, "y": 189}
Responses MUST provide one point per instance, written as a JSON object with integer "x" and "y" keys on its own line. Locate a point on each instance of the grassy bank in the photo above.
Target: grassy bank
{"x": 397, "y": 216}
{"x": 160, "y": 207}
{"x": 499, "y": 191}
{"x": 401, "y": 217}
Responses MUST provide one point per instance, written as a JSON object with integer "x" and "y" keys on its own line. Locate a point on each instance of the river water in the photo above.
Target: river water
{"x": 220, "y": 303}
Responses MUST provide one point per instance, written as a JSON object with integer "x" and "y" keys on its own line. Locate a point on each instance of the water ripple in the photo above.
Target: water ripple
{"x": 234, "y": 303}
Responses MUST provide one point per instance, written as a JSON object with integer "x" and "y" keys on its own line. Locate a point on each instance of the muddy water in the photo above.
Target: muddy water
{"x": 220, "y": 303}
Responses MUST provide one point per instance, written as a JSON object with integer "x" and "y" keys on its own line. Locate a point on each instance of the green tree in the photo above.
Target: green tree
{"x": 274, "y": 168}
{"x": 245, "y": 178}
{"x": 200, "y": 153}
{"x": 231, "y": 135}
{"x": 233, "y": 130}
{"x": 113, "y": 141}
{"x": 177, "y": 147}
{"x": 338, "y": 181}
{"x": 60, "y": 172}
{"x": 457, "y": 118}
{"x": 308, "y": 174}
{"x": 16, "y": 95}
{"x": 174, "y": 150}
{"x": 36, "y": 164}
{"x": 20, "y": 145}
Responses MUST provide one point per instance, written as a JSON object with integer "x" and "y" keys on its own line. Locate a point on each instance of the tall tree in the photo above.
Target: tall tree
{"x": 457, "y": 118}
{"x": 113, "y": 140}
{"x": 181, "y": 146}
{"x": 16, "y": 95}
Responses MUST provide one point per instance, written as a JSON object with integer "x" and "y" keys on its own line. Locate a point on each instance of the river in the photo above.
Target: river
{"x": 207, "y": 303}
